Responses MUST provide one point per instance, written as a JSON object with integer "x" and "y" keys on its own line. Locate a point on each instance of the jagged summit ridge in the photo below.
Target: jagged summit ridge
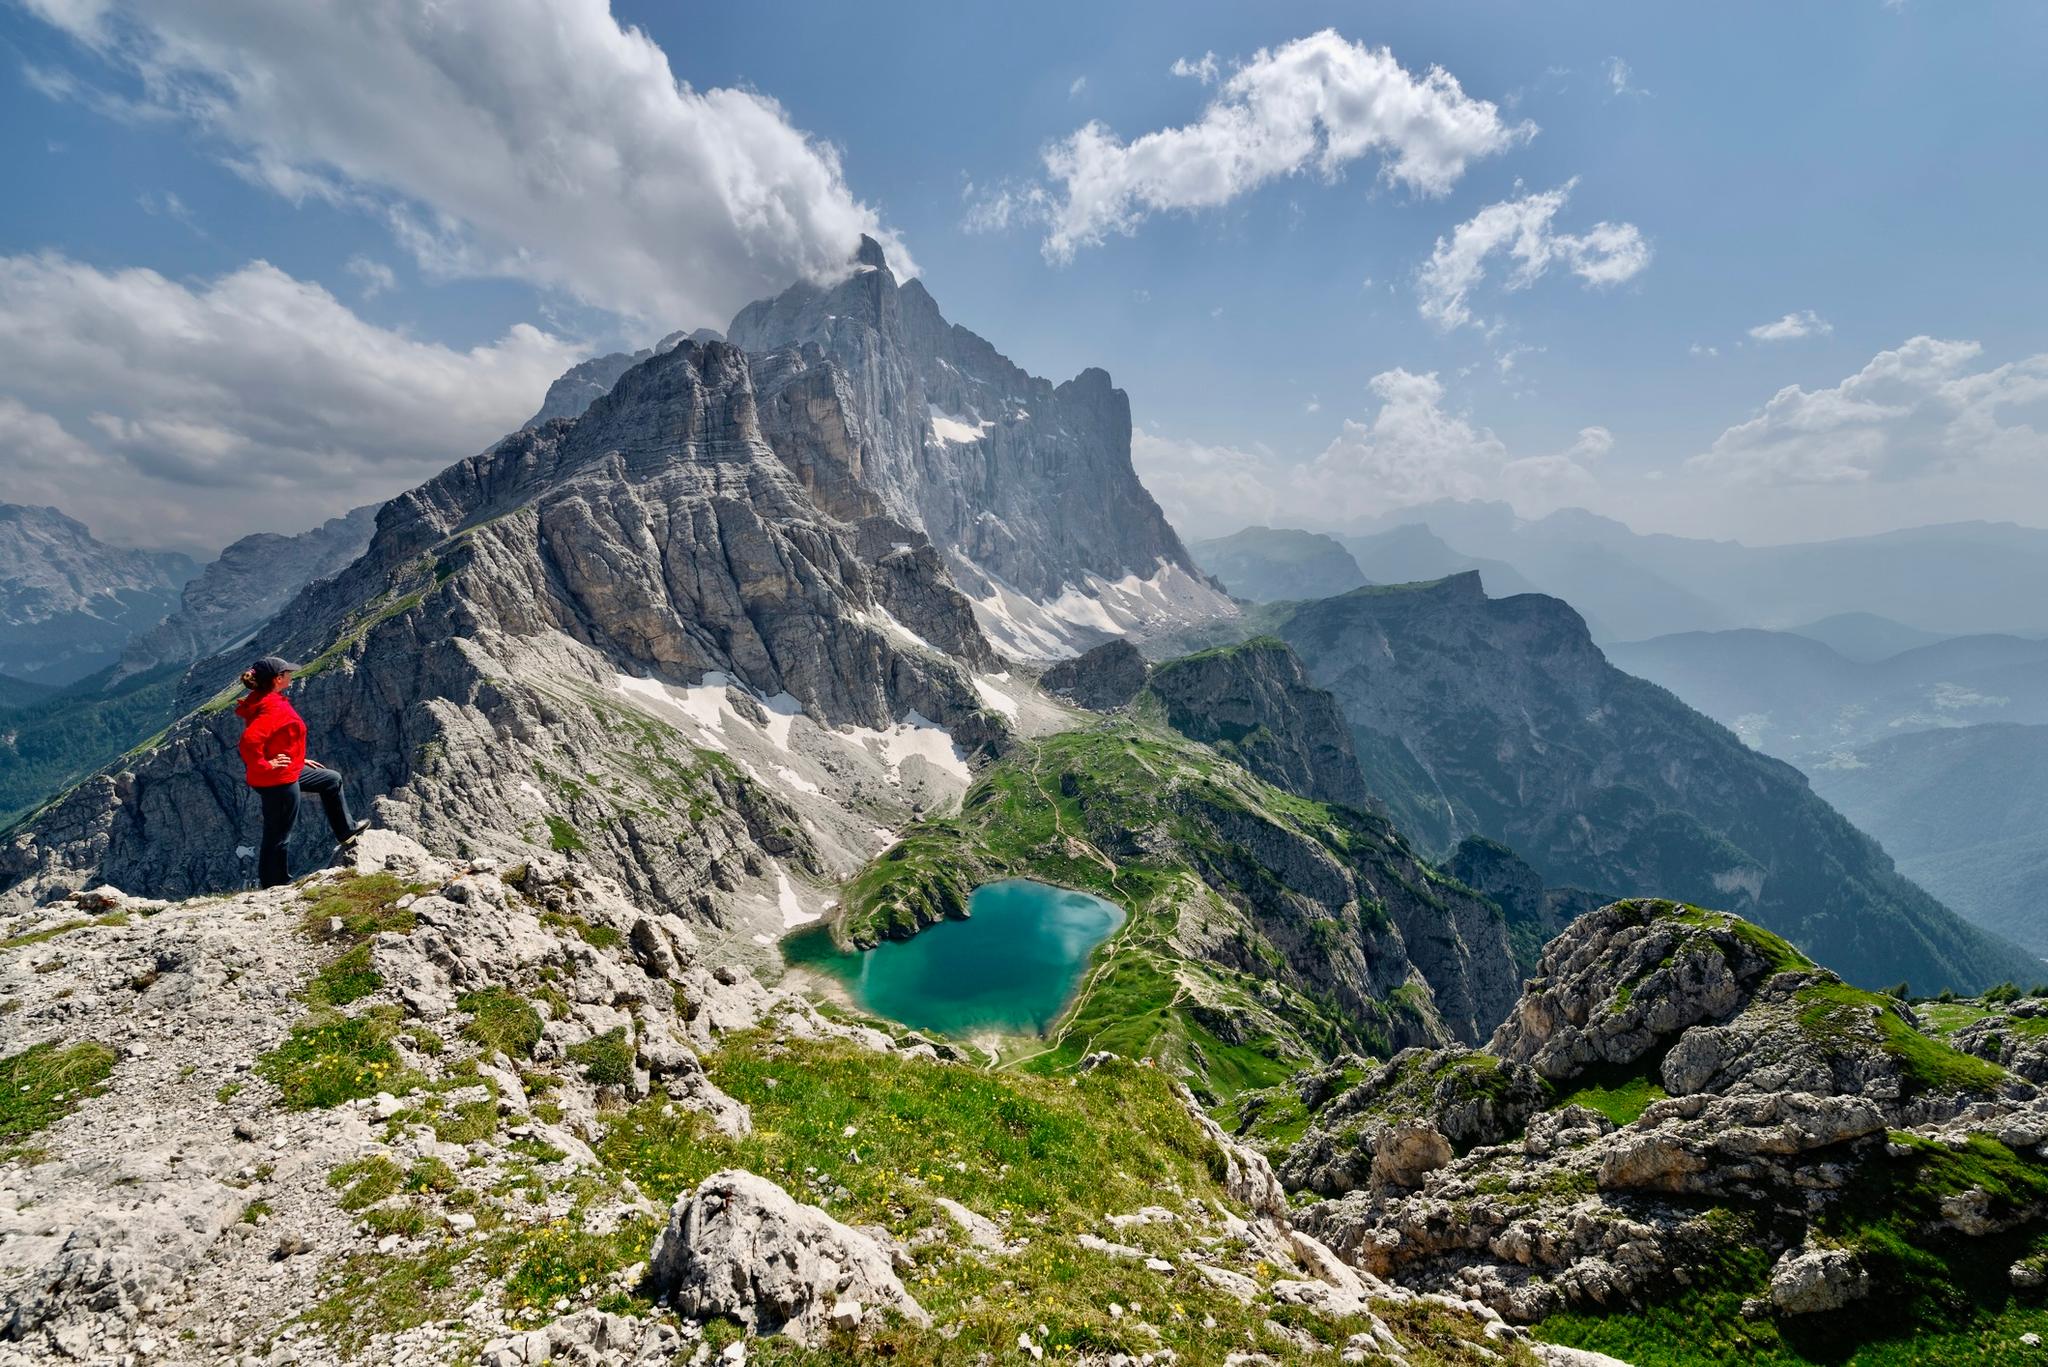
{"x": 1024, "y": 485}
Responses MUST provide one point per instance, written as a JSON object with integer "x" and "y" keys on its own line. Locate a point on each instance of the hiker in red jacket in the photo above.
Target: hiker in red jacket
{"x": 273, "y": 753}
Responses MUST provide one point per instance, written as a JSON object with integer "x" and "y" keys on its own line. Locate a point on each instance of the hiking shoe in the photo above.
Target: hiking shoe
{"x": 361, "y": 825}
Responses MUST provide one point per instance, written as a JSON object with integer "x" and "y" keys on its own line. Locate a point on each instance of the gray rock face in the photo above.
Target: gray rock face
{"x": 1499, "y": 717}
{"x": 1408, "y": 1117}
{"x": 1101, "y": 679}
{"x": 2014, "y": 1038}
{"x": 245, "y": 587}
{"x": 1254, "y": 703}
{"x": 1711, "y": 1004}
{"x": 466, "y": 669}
{"x": 1625, "y": 980}
{"x": 584, "y": 383}
{"x": 69, "y": 602}
{"x": 1794, "y": 1087}
{"x": 1247, "y": 1175}
{"x": 1026, "y": 487}
{"x": 740, "y": 1246}
{"x": 1817, "y": 1279}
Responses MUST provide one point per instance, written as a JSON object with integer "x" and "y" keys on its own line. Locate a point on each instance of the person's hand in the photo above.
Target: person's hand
{"x": 279, "y": 761}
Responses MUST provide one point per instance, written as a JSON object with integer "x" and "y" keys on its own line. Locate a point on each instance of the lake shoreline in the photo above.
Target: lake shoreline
{"x": 1008, "y": 973}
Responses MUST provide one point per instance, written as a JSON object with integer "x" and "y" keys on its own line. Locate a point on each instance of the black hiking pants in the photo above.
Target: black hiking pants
{"x": 281, "y": 813}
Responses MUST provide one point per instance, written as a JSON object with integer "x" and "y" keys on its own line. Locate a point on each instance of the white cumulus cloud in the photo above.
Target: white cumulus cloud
{"x": 534, "y": 139}
{"x": 1317, "y": 103}
{"x": 162, "y": 413}
{"x": 1521, "y": 229}
{"x": 1793, "y": 326}
{"x": 1922, "y": 409}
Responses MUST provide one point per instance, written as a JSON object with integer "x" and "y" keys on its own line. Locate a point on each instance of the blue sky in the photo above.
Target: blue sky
{"x": 441, "y": 234}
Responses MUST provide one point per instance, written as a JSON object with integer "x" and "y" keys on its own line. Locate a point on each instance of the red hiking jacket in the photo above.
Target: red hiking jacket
{"x": 271, "y": 726}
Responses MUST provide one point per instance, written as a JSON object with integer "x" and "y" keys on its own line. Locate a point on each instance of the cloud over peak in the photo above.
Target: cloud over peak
{"x": 533, "y": 139}
{"x": 1318, "y": 103}
{"x": 1410, "y": 450}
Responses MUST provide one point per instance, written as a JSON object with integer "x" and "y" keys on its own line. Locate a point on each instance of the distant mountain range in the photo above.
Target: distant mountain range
{"x": 1799, "y": 699}
{"x": 1958, "y": 578}
{"x": 1271, "y": 565}
{"x": 1965, "y": 812}
{"x": 1867, "y": 636}
{"x": 1280, "y": 564}
{"x": 69, "y": 602}
{"x": 244, "y": 588}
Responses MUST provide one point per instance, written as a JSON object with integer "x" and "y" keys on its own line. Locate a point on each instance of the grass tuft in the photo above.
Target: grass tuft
{"x": 501, "y": 1022}
{"x": 327, "y": 1060}
{"x": 45, "y": 1082}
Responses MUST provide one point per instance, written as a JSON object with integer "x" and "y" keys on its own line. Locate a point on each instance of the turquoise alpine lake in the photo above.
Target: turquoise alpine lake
{"x": 1011, "y": 966}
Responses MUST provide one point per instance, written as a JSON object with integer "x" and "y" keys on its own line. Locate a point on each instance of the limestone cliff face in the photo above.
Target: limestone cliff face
{"x": 245, "y": 587}
{"x": 1500, "y": 717}
{"x": 468, "y": 668}
{"x": 1024, "y": 485}
{"x": 1254, "y": 703}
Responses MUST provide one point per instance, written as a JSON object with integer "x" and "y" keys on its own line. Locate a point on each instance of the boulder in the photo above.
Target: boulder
{"x": 1408, "y": 1152}
{"x": 1810, "y": 1280}
{"x": 741, "y": 1246}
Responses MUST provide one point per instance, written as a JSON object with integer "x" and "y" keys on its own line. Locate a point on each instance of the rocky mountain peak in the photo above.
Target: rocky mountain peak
{"x": 870, "y": 254}
{"x": 1025, "y": 487}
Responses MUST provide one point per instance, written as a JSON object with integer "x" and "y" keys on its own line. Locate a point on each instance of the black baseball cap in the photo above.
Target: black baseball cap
{"x": 270, "y": 666}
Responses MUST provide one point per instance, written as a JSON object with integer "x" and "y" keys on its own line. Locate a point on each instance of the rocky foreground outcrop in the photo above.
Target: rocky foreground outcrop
{"x": 1677, "y": 1089}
